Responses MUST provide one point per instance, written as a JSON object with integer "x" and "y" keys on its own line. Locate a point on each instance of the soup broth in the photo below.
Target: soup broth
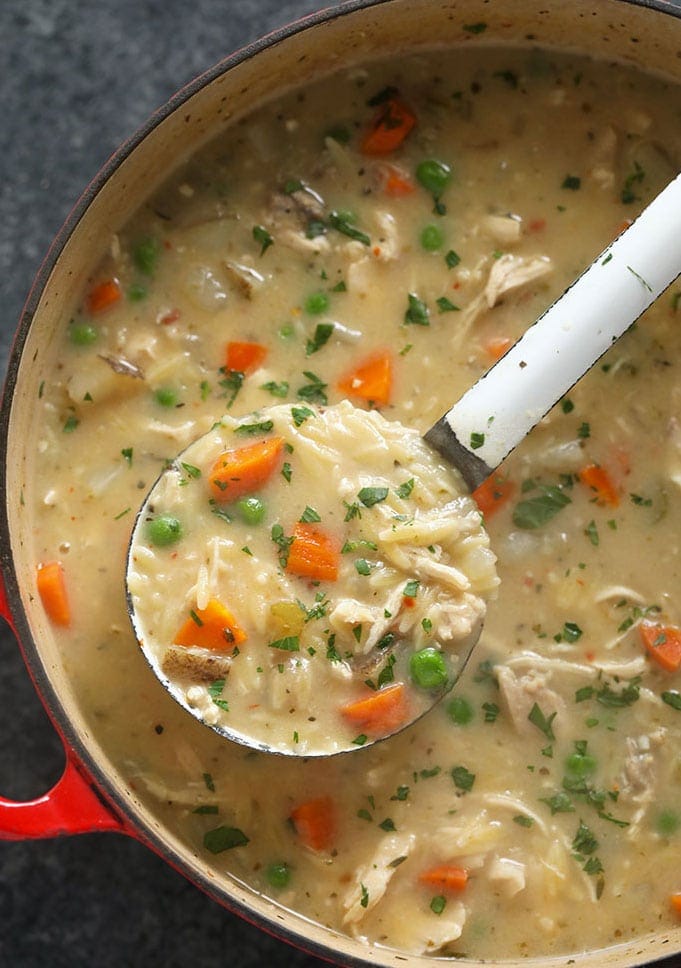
{"x": 383, "y": 237}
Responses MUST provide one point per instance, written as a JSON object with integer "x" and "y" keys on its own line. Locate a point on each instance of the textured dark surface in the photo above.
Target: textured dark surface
{"x": 77, "y": 78}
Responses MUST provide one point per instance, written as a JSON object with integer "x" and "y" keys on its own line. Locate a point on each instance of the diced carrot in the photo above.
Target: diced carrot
{"x": 213, "y": 627}
{"x": 663, "y": 643}
{"x": 314, "y": 553}
{"x": 245, "y": 357}
{"x": 445, "y": 877}
{"x": 496, "y": 346}
{"x": 103, "y": 296}
{"x": 536, "y": 225}
{"x": 53, "y": 594}
{"x": 493, "y": 494}
{"x": 315, "y": 822}
{"x": 598, "y": 480}
{"x": 380, "y": 712}
{"x": 167, "y": 319}
{"x": 245, "y": 469}
{"x": 371, "y": 379}
{"x": 675, "y": 900}
{"x": 396, "y": 182}
{"x": 391, "y": 125}
{"x": 621, "y": 227}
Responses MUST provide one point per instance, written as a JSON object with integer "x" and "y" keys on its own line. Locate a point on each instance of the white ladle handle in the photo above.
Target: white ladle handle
{"x": 504, "y": 405}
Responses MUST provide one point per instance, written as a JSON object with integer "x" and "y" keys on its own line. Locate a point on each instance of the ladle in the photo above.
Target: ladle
{"x": 495, "y": 414}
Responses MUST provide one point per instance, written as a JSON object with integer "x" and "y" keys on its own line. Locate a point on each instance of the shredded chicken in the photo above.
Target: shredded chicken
{"x": 602, "y": 159}
{"x": 637, "y": 781}
{"x": 371, "y": 881}
{"x": 242, "y": 278}
{"x": 513, "y": 271}
{"x": 508, "y": 874}
{"x": 504, "y": 229}
{"x": 520, "y": 693}
{"x": 123, "y": 367}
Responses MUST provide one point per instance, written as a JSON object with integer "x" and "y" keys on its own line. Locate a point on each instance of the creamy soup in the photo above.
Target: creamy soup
{"x": 383, "y": 237}
{"x": 388, "y": 551}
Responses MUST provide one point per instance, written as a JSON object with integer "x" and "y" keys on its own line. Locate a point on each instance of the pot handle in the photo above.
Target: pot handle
{"x": 72, "y": 806}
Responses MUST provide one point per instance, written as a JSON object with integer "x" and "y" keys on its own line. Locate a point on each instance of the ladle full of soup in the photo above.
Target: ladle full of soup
{"x": 354, "y": 548}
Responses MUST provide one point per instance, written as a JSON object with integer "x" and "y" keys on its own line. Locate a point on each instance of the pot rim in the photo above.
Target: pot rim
{"x": 131, "y": 823}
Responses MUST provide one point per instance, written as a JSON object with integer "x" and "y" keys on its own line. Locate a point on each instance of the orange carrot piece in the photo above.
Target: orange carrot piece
{"x": 315, "y": 822}
{"x": 213, "y": 627}
{"x": 391, "y": 125}
{"x": 663, "y": 643}
{"x": 675, "y": 900}
{"x": 245, "y": 357}
{"x": 445, "y": 877}
{"x": 380, "y": 712}
{"x": 598, "y": 480}
{"x": 314, "y": 553}
{"x": 396, "y": 182}
{"x": 51, "y": 583}
{"x": 493, "y": 494}
{"x": 103, "y": 296}
{"x": 371, "y": 379}
{"x": 621, "y": 227}
{"x": 496, "y": 346}
{"x": 245, "y": 469}
{"x": 536, "y": 225}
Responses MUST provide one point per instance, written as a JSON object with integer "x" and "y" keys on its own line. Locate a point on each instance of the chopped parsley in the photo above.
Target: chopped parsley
{"x": 342, "y": 222}
{"x": 224, "y": 838}
{"x": 417, "y": 312}
{"x": 536, "y": 511}
{"x": 263, "y": 238}
{"x": 276, "y": 389}
{"x": 290, "y": 643}
{"x": 463, "y": 778}
{"x": 542, "y": 722}
{"x": 282, "y": 542}
{"x": 320, "y": 338}
{"x": 314, "y": 391}
{"x": 372, "y": 495}
{"x": 446, "y": 305}
{"x": 252, "y": 429}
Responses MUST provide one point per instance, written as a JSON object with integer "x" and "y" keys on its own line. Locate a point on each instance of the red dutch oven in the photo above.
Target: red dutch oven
{"x": 91, "y": 795}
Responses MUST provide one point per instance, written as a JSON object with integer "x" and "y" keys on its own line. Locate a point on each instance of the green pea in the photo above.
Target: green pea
{"x": 581, "y": 764}
{"x": 460, "y": 711}
{"x": 137, "y": 292}
{"x": 251, "y": 509}
{"x": 667, "y": 823}
{"x": 432, "y": 238}
{"x": 145, "y": 255}
{"x": 166, "y": 396}
{"x": 278, "y": 874}
{"x": 427, "y": 668}
{"x": 286, "y": 331}
{"x": 434, "y": 175}
{"x": 164, "y": 530}
{"x": 316, "y": 303}
{"x": 82, "y": 334}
